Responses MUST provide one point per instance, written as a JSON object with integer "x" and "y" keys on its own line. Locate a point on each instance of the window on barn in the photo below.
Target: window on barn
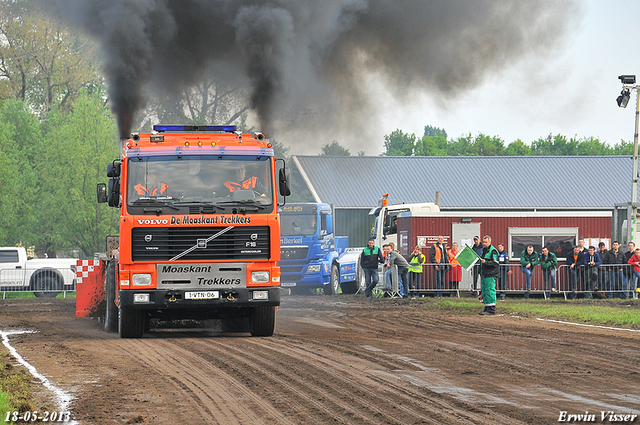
{"x": 559, "y": 240}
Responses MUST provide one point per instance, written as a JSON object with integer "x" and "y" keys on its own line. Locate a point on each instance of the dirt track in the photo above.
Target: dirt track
{"x": 334, "y": 360}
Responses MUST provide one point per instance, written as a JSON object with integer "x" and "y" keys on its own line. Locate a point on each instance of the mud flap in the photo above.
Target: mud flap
{"x": 90, "y": 299}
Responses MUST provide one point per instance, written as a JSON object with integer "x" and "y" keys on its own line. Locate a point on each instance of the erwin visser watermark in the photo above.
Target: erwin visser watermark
{"x": 602, "y": 416}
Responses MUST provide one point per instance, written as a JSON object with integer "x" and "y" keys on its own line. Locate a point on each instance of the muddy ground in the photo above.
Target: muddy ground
{"x": 341, "y": 359}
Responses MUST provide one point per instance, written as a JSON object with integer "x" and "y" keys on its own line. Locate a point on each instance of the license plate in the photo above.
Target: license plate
{"x": 287, "y": 284}
{"x": 204, "y": 295}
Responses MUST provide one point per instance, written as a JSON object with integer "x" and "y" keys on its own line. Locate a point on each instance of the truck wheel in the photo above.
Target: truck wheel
{"x": 130, "y": 323}
{"x": 111, "y": 315}
{"x": 362, "y": 283}
{"x": 48, "y": 285}
{"x": 263, "y": 321}
{"x": 349, "y": 287}
{"x": 334, "y": 281}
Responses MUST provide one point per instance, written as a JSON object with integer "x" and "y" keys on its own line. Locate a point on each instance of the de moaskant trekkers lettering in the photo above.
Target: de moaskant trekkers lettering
{"x": 190, "y": 269}
{"x": 178, "y": 221}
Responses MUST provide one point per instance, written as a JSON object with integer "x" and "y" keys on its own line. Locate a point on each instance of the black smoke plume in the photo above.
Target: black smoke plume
{"x": 312, "y": 60}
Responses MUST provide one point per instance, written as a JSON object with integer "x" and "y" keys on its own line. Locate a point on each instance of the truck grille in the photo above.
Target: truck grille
{"x": 291, "y": 273}
{"x": 165, "y": 243}
{"x": 293, "y": 253}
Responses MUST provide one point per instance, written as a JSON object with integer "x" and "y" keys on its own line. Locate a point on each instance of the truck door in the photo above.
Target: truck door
{"x": 463, "y": 233}
{"x": 11, "y": 268}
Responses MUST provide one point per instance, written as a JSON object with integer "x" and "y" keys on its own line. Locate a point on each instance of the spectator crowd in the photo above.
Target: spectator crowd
{"x": 589, "y": 270}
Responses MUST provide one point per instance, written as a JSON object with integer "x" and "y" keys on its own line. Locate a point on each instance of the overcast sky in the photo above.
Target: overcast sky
{"x": 570, "y": 92}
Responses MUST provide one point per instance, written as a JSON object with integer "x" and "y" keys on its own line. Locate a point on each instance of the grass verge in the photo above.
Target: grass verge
{"x": 16, "y": 392}
{"x": 595, "y": 312}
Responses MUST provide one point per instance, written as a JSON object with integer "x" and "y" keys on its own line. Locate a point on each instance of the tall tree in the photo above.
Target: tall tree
{"x": 434, "y": 145}
{"x": 430, "y": 131}
{"x": 517, "y": 148}
{"x": 19, "y": 138}
{"x": 334, "y": 149}
{"x": 399, "y": 143}
{"x": 42, "y": 61}
{"x": 209, "y": 101}
{"x": 554, "y": 145}
{"x": 488, "y": 146}
{"x": 80, "y": 144}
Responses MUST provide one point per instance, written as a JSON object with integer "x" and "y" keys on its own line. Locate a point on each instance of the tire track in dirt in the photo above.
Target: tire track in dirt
{"x": 396, "y": 374}
{"x": 214, "y": 390}
{"x": 520, "y": 340}
{"x": 531, "y": 353}
{"x": 403, "y": 402}
{"x": 301, "y": 384}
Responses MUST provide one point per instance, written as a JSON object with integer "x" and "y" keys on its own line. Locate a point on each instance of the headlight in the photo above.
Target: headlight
{"x": 260, "y": 295}
{"x": 141, "y": 279}
{"x": 260, "y": 277}
{"x": 140, "y": 298}
{"x": 313, "y": 268}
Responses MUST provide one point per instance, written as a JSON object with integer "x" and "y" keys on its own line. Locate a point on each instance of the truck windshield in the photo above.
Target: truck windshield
{"x": 212, "y": 181}
{"x": 298, "y": 224}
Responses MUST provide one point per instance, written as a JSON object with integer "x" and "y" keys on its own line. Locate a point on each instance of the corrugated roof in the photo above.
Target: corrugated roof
{"x": 564, "y": 182}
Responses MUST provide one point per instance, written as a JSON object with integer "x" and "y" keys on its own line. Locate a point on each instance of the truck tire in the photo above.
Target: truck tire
{"x": 362, "y": 283}
{"x": 334, "y": 281}
{"x": 263, "y": 321}
{"x": 111, "y": 314}
{"x": 351, "y": 287}
{"x": 130, "y": 323}
{"x": 47, "y": 286}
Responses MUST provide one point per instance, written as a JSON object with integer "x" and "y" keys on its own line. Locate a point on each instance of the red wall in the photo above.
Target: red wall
{"x": 498, "y": 227}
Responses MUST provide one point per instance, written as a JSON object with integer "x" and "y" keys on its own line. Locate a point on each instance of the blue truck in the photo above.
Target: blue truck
{"x": 312, "y": 256}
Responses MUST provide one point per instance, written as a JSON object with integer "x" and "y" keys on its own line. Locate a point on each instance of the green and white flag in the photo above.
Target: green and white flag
{"x": 467, "y": 257}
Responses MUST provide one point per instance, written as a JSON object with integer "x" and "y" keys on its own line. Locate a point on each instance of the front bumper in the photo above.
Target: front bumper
{"x": 173, "y": 299}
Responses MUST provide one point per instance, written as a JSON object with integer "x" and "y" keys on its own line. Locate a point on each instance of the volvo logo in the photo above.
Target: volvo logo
{"x": 254, "y": 236}
{"x": 147, "y": 238}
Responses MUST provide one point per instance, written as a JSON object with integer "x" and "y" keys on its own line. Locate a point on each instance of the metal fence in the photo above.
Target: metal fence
{"x": 605, "y": 281}
{"x": 388, "y": 283}
{"x": 43, "y": 282}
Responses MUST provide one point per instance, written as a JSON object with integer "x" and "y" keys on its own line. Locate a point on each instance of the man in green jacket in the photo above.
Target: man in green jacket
{"x": 489, "y": 270}
{"x": 549, "y": 263}
{"x": 528, "y": 260}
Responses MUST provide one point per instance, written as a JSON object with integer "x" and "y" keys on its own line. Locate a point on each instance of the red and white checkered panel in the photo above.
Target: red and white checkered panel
{"x": 85, "y": 267}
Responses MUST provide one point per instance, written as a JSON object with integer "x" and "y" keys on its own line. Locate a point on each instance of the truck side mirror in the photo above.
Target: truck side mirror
{"x": 114, "y": 193}
{"x": 329, "y": 225}
{"x": 284, "y": 178}
{"x": 102, "y": 193}
{"x": 113, "y": 169}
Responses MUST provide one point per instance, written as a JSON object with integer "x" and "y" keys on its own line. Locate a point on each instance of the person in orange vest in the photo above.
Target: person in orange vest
{"x": 153, "y": 188}
{"x": 438, "y": 258}
{"x": 454, "y": 275}
{"x": 242, "y": 182}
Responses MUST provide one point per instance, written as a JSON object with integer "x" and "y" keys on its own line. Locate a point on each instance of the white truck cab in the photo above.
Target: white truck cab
{"x": 385, "y": 229}
{"x": 46, "y": 277}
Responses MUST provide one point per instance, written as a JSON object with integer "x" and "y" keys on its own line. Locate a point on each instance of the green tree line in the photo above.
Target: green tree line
{"x": 435, "y": 142}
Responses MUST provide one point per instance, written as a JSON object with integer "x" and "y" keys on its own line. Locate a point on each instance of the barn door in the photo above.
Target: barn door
{"x": 463, "y": 233}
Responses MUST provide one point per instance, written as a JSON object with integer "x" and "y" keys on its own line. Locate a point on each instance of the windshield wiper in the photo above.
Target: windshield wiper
{"x": 206, "y": 203}
{"x": 243, "y": 203}
{"x": 154, "y": 201}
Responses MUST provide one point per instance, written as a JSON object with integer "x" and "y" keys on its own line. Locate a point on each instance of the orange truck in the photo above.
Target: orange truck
{"x": 199, "y": 230}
